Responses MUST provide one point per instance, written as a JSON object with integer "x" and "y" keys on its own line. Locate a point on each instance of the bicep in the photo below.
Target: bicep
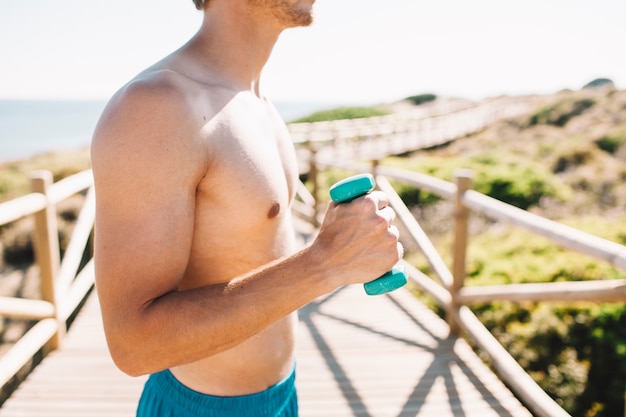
{"x": 141, "y": 247}
{"x": 146, "y": 173}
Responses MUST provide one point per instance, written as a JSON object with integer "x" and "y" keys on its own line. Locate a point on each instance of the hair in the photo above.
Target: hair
{"x": 200, "y": 4}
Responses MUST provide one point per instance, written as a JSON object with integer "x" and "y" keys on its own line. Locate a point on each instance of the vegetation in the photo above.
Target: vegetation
{"x": 561, "y": 111}
{"x": 599, "y": 82}
{"x": 343, "y": 113}
{"x": 15, "y": 176}
{"x": 507, "y": 177}
{"x": 16, "y": 238}
{"x": 421, "y": 98}
{"x": 614, "y": 140}
{"x": 565, "y": 161}
{"x": 346, "y": 113}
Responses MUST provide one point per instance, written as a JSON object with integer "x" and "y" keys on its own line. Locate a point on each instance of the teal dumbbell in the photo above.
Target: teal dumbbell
{"x": 347, "y": 190}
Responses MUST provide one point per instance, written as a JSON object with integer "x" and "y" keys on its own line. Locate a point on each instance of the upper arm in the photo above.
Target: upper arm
{"x": 146, "y": 163}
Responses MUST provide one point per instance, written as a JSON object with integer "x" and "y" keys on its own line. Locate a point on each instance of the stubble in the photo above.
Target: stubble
{"x": 289, "y": 13}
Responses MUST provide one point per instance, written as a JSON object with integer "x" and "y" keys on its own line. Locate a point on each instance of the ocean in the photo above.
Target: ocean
{"x": 32, "y": 127}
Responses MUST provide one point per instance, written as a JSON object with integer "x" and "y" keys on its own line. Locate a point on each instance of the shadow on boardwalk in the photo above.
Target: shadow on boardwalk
{"x": 390, "y": 356}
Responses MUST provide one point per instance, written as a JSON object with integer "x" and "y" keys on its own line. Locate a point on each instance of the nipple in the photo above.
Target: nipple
{"x": 274, "y": 210}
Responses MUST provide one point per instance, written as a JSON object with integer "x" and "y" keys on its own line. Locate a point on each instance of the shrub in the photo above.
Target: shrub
{"x": 342, "y": 113}
{"x": 17, "y": 240}
{"x": 506, "y": 177}
{"x": 519, "y": 184}
{"x": 576, "y": 352}
{"x": 421, "y": 98}
{"x": 15, "y": 176}
{"x": 572, "y": 156}
{"x": 614, "y": 140}
{"x": 561, "y": 111}
{"x": 599, "y": 82}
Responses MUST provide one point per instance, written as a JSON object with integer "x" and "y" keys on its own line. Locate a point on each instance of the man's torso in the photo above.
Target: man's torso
{"x": 242, "y": 220}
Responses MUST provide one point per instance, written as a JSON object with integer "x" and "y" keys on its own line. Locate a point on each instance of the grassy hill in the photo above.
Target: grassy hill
{"x": 575, "y": 139}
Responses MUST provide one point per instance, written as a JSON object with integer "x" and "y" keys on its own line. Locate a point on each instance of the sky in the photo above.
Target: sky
{"x": 357, "y": 51}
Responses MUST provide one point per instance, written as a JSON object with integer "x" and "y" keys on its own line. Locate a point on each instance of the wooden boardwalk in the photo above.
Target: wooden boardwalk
{"x": 357, "y": 356}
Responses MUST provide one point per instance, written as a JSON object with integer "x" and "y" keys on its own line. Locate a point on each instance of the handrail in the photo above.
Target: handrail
{"x": 566, "y": 236}
{"x": 396, "y": 133}
{"x": 20, "y": 207}
{"x": 416, "y": 232}
{"x": 63, "y": 286}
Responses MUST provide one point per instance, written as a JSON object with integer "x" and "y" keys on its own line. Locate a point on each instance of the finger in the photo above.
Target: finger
{"x": 389, "y": 214}
{"x": 380, "y": 198}
{"x": 393, "y": 230}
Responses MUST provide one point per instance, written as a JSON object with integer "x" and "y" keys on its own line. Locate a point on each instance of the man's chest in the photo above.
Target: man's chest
{"x": 253, "y": 172}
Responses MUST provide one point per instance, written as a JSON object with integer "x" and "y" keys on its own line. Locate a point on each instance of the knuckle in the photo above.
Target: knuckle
{"x": 381, "y": 224}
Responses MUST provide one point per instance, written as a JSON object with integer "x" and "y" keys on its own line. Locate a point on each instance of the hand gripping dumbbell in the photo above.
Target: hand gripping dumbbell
{"x": 347, "y": 190}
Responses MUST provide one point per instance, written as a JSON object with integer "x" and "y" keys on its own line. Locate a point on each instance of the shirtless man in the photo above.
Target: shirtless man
{"x": 197, "y": 270}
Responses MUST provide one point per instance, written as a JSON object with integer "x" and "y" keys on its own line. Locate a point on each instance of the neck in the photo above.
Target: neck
{"x": 234, "y": 45}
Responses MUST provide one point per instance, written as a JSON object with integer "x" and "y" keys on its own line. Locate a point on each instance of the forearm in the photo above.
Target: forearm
{"x": 184, "y": 326}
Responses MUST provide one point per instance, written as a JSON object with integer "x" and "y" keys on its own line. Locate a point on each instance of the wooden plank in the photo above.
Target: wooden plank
{"x": 25, "y": 308}
{"x": 512, "y": 372}
{"x": 25, "y": 348}
{"x": 21, "y": 207}
{"x": 390, "y": 356}
{"x": 79, "y": 379}
{"x": 563, "y": 235}
{"x": 613, "y": 290}
{"x": 69, "y": 186}
{"x": 357, "y": 356}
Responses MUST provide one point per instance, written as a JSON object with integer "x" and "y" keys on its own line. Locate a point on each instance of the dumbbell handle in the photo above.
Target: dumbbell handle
{"x": 347, "y": 190}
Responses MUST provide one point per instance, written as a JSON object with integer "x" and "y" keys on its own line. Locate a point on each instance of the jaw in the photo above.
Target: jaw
{"x": 287, "y": 13}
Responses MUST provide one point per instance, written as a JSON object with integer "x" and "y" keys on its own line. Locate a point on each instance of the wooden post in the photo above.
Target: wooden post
{"x": 46, "y": 247}
{"x": 314, "y": 178}
{"x": 463, "y": 179}
{"x": 374, "y": 166}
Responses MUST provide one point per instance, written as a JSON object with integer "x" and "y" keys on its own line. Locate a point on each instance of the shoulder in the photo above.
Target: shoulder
{"x": 152, "y": 99}
{"x": 152, "y": 113}
{"x": 150, "y": 133}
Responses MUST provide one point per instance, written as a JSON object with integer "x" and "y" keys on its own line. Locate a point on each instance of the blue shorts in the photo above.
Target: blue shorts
{"x": 165, "y": 396}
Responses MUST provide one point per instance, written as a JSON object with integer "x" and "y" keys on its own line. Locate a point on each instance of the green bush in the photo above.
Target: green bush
{"x": 342, "y": 113}
{"x": 561, "y": 111}
{"x": 421, "y": 98}
{"x": 576, "y": 352}
{"x": 410, "y": 195}
{"x": 614, "y": 140}
{"x": 508, "y": 178}
{"x": 512, "y": 255}
{"x": 599, "y": 82}
{"x": 15, "y": 175}
{"x": 520, "y": 184}
{"x": 572, "y": 155}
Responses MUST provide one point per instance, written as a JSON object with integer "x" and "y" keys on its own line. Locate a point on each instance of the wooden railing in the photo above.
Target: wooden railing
{"x": 405, "y": 131}
{"x": 447, "y": 285}
{"x": 63, "y": 286}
